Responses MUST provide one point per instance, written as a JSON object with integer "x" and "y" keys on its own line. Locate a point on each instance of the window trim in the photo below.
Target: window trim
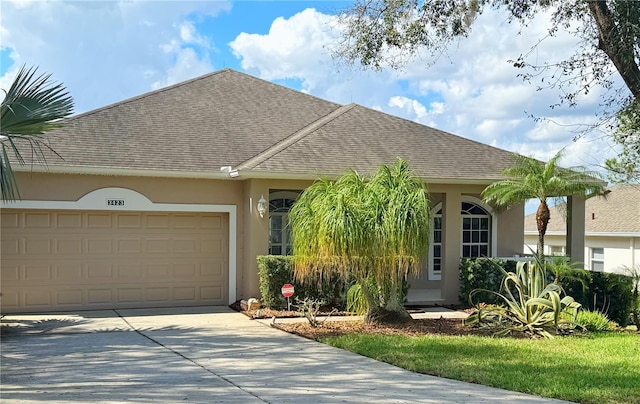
{"x": 493, "y": 246}
{"x": 286, "y": 241}
{"x": 592, "y": 259}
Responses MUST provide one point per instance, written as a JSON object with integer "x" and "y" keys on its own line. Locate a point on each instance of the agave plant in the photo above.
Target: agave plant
{"x": 530, "y": 304}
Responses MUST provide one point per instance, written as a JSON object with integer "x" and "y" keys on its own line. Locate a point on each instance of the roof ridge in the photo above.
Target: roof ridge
{"x": 150, "y": 93}
{"x": 294, "y": 137}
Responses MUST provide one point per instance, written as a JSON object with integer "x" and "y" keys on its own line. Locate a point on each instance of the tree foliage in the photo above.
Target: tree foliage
{"x": 32, "y": 106}
{"x": 626, "y": 167}
{"x": 528, "y": 178}
{"x": 376, "y": 230}
{"x": 381, "y": 33}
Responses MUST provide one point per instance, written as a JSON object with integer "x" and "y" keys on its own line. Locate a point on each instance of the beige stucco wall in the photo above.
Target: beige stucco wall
{"x": 510, "y": 231}
{"x": 252, "y": 231}
{"x": 257, "y": 229}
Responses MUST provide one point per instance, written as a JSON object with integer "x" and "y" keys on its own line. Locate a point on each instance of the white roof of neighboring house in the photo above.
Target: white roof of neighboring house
{"x": 617, "y": 214}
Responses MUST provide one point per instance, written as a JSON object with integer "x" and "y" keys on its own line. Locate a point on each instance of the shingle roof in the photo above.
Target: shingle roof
{"x": 364, "y": 138}
{"x": 228, "y": 118}
{"x": 618, "y": 213}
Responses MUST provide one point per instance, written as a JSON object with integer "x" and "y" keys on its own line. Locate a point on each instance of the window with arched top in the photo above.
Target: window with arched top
{"x": 280, "y": 202}
{"x": 476, "y": 229}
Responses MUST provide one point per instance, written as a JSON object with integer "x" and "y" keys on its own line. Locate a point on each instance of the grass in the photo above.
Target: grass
{"x": 600, "y": 368}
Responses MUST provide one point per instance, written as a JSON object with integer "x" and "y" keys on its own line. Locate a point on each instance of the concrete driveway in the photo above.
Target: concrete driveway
{"x": 202, "y": 355}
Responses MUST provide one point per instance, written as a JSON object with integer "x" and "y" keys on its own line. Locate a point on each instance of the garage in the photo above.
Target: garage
{"x": 92, "y": 259}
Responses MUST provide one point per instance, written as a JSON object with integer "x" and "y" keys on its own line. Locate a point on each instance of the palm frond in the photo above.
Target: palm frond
{"x": 32, "y": 106}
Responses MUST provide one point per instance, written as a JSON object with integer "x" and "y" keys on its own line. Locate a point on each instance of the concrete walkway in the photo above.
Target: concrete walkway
{"x": 201, "y": 355}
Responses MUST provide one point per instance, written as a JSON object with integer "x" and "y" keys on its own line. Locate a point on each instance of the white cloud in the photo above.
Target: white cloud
{"x": 472, "y": 90}
{"x": 110, "y": 50}
{"x": 187, "y": 65}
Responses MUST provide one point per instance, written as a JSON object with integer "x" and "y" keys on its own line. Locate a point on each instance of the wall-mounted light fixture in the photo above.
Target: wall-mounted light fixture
{"x": 262, "y": 206}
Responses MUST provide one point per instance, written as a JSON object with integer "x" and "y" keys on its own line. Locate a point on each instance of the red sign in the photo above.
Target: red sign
{"x": 287, "y": 290}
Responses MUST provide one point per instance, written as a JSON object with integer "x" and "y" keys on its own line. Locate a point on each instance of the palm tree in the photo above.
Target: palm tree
{"x": 529, "y": 178}
{"x": 32, "y": 106}
{"x": 376, "y": 230}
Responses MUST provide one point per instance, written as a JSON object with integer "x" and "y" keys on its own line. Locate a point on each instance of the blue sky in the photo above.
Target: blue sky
{"x": 107, "y": 51}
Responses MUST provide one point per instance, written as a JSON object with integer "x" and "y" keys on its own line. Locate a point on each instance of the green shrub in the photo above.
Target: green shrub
{"x": 594, "y": 321}
{"x": 276, "y": 270}
{"x": 605, "y": 292}
{"x": 608, "y": 293}
{"x": 356, "y": 303}
{"x": 612, "y": 294}
{"x": 482, "y": 273}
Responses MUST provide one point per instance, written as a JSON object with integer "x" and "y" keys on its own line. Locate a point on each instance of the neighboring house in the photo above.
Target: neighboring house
{"x": 612, "y": 230}
{"x": 154, "y": 202}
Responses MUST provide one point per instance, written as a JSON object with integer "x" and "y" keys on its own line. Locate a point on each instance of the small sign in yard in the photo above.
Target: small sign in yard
{"x": 287, "y": 291}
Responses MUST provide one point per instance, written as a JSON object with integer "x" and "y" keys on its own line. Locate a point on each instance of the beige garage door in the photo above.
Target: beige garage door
{"x": 69, "y": 260}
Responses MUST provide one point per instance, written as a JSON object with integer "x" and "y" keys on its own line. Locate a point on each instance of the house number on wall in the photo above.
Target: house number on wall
{"x": 115, "y": 202}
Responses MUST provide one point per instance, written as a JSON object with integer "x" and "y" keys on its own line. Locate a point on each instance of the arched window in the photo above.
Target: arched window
{"x": 280, "y": 202}
{"x": 477, "y": 233}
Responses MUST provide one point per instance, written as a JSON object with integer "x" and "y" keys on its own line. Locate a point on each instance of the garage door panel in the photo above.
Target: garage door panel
{"x": 212, "y": 293}
{"x": 213, "y": 269}
{"x": 99, "y": 221}
{"x": 9, "y": 220}
{"x": 37, "y": 298}
{"x": 128, "y": 246}
{"x": 38, "y": 273}
{"x": 99, "y": 271}
{"x": 67, "y": 260}
{"x": 10, "y": 273}
{"x": 161, "y": 272}
{"x": 68, "y": 245}
{"x": 9, "y": 246}
{"x": 129, "y": 271}
{"x": 69, "y": 272}
{"x": 185, "y": 246}
{"x": 128, "y": 221}
{"x": 100, "y": 296}
{"x": 37, "y": 220}
{"x": 37, "y": 246}
{"x": 158, "y": 246}
{"x": 99, "y": 246}
{"x": 68, "y": 220}
{"x": 212, "y": 223}
{"x": 69, "y": 298}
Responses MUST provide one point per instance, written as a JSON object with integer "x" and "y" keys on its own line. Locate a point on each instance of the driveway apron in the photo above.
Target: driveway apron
{"x": 201, "y": 355}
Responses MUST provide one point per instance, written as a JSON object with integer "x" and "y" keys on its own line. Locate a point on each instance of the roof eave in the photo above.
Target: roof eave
{"x": 215, "y": 173}
{"x": 122, "y": 172}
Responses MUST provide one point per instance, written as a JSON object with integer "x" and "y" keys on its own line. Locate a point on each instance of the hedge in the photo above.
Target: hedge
{"x": 482, "y": 273}
{"x": 276, "y": 270}
{"x": 609, "y": 293}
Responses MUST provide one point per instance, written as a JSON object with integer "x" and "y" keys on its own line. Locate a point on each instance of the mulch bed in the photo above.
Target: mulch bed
{"x": 417, "y": 327}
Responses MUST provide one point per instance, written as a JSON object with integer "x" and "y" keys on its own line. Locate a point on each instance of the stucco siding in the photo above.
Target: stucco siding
{"x": 619, "y": 251}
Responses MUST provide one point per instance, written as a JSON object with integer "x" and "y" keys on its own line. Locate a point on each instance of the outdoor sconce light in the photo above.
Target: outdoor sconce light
{"x": 262, "y": 206}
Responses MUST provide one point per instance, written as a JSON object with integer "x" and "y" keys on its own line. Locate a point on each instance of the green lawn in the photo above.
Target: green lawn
{"x": 602, "y": 368}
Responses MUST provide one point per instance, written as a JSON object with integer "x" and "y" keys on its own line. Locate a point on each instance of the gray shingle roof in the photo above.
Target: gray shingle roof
{"x": 618, "y": 213}
{"x": 228, "y": 118}
{"x": 219, "y": 119}
{"x": 364, "y": 139}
